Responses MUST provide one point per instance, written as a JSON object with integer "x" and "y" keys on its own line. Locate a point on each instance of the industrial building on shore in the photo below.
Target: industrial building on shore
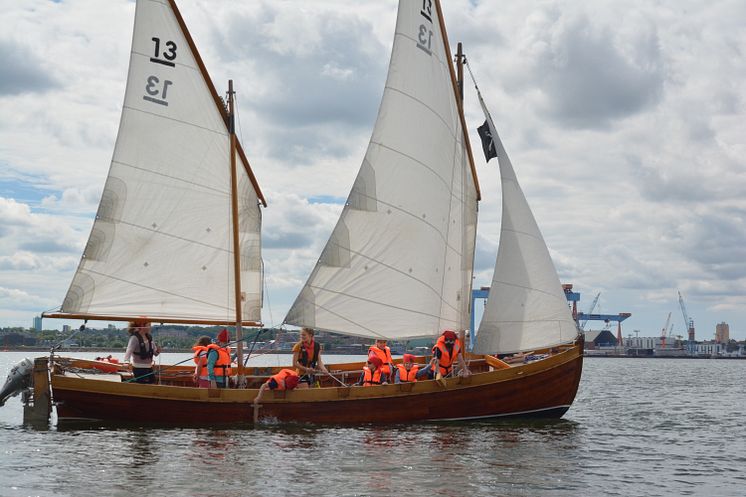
{"x": 605, "y": 343}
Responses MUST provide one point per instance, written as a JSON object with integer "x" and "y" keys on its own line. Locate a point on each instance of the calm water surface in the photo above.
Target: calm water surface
{"x": 639, "y": 427}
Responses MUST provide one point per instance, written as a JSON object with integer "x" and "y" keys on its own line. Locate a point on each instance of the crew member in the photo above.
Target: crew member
{"x": 307, "y": 358}
{"x": 383, "y": 352}
{"x": 286, "y": 379}
{"x": 372, "y": 373}
{"x": 219, "y": 361}
{"x": 201, "y": 376}
{"x": 407, "y": 370}
{"x": 446, "y": 350}
{"x": 141, "y": 350}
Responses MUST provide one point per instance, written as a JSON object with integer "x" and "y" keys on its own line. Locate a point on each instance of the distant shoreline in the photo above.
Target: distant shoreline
{"x": 618, "y": 356}
{"x": 330, "y": 353}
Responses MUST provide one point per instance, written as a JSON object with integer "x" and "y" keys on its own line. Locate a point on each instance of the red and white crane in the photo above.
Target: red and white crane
{"x": 664, "y": 331}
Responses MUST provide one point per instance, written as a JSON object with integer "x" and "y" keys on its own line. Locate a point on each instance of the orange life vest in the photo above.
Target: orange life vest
{"x": 445, "y": 362}
{"x": 200, "y": 358}
{"x": 384, "y": 355}
{"x": 281, "y": 377}
{"x": 223, "y": 364}
{"x": 371, "y": 378}
{"x": 200, "y": 354}
{"x": 404, "y": 375}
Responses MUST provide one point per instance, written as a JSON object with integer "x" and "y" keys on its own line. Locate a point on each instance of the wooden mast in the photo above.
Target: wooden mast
{"x": 460, "y": 71}
{"x": 459, "y": 104}
{"x": 235, "y": 223}
{"x": 457, "y": 80}
{"x": 460, "y": 85}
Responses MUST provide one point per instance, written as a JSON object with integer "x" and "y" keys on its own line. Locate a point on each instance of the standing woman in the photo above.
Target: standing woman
{"x": 307, "y": 358}
{"x": 141, "y": 351}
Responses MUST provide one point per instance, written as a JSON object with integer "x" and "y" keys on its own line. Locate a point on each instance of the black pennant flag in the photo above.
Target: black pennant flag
{"x": 488, "y": 144}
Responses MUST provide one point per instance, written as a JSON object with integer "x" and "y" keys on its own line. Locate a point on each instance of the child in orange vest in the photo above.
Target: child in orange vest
{"x": 407, "y": 371}
{"x": 372, "y": 373}
{"x": 287, "y": 379}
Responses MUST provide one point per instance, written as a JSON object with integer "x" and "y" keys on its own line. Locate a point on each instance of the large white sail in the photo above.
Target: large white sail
{"x": 526, "y": 308}
{"x": 399, "y": 261}
{"x": 161, "y": 244}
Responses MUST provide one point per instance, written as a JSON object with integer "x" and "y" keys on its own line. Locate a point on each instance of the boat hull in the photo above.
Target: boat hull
{"x": 543, "y": 389}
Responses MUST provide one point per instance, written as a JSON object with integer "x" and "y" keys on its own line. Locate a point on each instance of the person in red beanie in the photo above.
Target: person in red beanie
{"x": 286, "y": 379}
{"x": 372, "y": 373}
{"x": 445, "y": 352}
{"x": 219, "y": 361}
{"x": 407, "y": 371}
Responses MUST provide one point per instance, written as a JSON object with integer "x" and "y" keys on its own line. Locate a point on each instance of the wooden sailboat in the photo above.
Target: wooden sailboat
{"x": 398, "y": 264}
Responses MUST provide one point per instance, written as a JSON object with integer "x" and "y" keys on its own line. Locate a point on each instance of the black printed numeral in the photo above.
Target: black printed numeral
{"x": 425, "y": 39}
{"x": 167, "y": 56}
{"x": 425, "y": 36}
{"x": 156, "y": 92}
{"x": 427, "y": 10}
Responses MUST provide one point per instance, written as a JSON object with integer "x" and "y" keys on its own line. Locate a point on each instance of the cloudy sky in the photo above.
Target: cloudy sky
{"x": 625, "y": 121}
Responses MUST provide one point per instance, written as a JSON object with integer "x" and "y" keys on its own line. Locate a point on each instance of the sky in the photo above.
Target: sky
{"x": 625, "y": 122}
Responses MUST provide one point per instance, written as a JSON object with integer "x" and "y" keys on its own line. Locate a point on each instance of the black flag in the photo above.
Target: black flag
{"x": 488, "y": 144}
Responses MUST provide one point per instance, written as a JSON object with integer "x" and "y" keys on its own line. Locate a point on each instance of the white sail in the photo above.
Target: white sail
{"x": 399, "y": 261}
{"x": 527, "y": 308}
{"x": 161, "y": 244}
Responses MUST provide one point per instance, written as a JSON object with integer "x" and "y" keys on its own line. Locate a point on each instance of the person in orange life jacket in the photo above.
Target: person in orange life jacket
{"x": 372, "y": 373}
{"x": 219, "y": 361}
{"x": 141, "y": 350}
{"x": 445, "y": 352}
{"x": 381, "y": 351}
{"x": 408, "y": 371}
{"x": 201, "y": 376}
{"x": 307, "y": 358}
{"x": 286, "y": 379}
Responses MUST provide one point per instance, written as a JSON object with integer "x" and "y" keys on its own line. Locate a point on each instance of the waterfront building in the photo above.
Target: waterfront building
{"x": 65, "y": 328}
{"x": 596, "y": 339}
{"x": 641, "y": 346}
{"x": 710, "y": 349}
{"x": 722, "y": 332}
{"x": 37, "y": 324}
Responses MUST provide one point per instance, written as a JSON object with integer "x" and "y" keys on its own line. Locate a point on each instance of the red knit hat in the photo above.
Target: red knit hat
{"x": 223, "y": 336}
{"x": 376, "y": 361}
{"x": 408, "y": 358}
{"x": 291, "y": 382}
{"x": 449, "y": 335}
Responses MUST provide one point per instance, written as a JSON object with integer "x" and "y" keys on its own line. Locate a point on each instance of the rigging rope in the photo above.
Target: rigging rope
{"x": 466, "y": 63}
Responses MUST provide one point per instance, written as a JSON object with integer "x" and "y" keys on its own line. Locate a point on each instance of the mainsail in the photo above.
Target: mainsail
{"x": 161, "y": 245}
{"x": 526, "y": 308}
{"x": 399, "y": 261}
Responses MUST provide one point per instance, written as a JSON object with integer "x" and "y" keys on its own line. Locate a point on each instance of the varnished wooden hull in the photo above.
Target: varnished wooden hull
{"x": 544, "y": 388}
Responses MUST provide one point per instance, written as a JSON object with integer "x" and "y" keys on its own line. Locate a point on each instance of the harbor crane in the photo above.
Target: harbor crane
{"x": 688, "y": 322}
{"x": 590, "y": 311}
{"x": 664, "y": 331}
